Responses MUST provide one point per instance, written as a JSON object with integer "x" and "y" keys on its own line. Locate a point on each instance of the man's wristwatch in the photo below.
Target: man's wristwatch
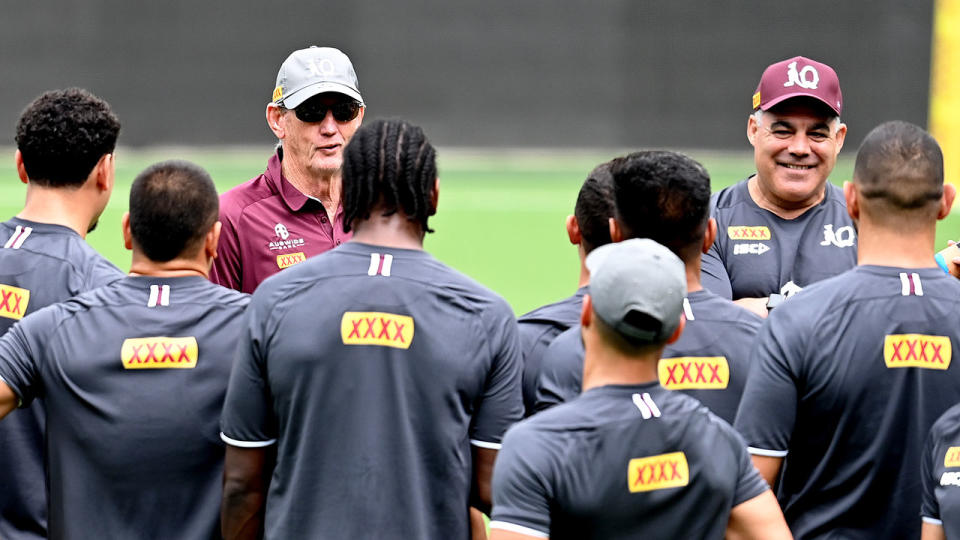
{"x": 774, "y": 300}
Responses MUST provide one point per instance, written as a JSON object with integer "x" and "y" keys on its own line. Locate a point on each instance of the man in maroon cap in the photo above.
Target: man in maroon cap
{"x": 785, "y": 226}
{"x": 292, "y": 211}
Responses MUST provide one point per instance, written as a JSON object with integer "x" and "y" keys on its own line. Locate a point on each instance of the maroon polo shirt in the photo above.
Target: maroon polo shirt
{"x": 269, "y": 225}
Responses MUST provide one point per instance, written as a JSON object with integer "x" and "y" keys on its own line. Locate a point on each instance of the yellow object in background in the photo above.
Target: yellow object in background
{"x": 945, "y": 85}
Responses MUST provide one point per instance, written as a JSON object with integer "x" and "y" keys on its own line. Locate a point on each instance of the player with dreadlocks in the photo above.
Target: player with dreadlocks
{"x": 392, "y": 377}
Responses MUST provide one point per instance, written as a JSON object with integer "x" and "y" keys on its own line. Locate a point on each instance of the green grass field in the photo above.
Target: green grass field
{"x": 501, "y": 216}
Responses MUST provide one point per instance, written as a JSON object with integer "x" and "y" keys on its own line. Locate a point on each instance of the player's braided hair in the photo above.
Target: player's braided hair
{"x": 389, "y": 166}
{"x": 63, "y": 134}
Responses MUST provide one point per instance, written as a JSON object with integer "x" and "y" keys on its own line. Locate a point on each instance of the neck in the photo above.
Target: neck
{"x": 584, "y": 273}
{"x": 881, "y": 246}
{"x": 785, "y": 209}
{"x": 394, "y": 231}
{"x": 603, "y": 366}
{"x": 57, "y": 206}
{"x": 179, "y": 267}
{"x": 693, "y": 275}
{"x": 324, "y": 185}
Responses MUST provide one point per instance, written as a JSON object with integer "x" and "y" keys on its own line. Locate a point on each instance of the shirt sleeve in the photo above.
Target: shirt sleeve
{"x": 561, "y": 373}
{"x": 248, "y": 419}
{"x": 20, "y": 355}
{"x": 929, "y": 506}
{"x": 521, "y": 494}
{"x": 768, "y": 408}
{"x": 227, "y": 268}
{"x": 534, "y": 339}
{"x": 502, "y": 402}
{"x": 749, "y": 482}
{"x": 713, "y": 273}
{"x": 102, "y": 272}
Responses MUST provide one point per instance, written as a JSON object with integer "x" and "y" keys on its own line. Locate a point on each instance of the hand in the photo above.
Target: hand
{"x": 756, "y": 305}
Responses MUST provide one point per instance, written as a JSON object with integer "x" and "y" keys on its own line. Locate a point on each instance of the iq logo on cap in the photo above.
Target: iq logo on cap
{"x": 798, "y": 77}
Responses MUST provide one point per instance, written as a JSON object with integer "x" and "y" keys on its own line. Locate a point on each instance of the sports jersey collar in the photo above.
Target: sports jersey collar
{"x": 38, "y": 226}
{"x": 140, "y": 282}
{"x": 831, "y": 191}
{"x": 365, "y": 249}
{"x": 623, "y": 389}
{"x": 292, "y": 197}
{"x": 930, "y": 272}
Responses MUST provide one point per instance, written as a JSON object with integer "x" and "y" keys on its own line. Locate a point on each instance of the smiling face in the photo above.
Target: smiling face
{"x": 316, "y": 147}
{"x": 795, "y": 146}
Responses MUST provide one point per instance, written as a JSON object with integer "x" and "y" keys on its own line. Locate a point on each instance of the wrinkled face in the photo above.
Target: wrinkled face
{"x": 317, "y": 145}
{"x": 795, "y": 146}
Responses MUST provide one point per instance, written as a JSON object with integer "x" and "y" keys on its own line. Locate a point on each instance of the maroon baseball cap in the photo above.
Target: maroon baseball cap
{"x": 798, "y": 77}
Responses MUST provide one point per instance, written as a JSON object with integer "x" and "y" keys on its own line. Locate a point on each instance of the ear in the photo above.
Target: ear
{"x": 21, "y": 170}
{"x": 127, "y": 235}
{"x": 752, "y": 128}
{"x": 709, "y": 235}
{"x": 946, "y": 201}
{"x": 211, "y": 241}
{"x": 616, "y": 232}
{"x": 275, "y": 120}
{"x": 360, "y": 116}
{"x": 853, "y": 202}
{"x": 841, "y": 136}
{"x": 434, "y": 195}
{"x": 586, "y": 312}
{"x": 676, "y": 333}
{"x": 104, "y": 170}
{"x": 573, "y": 230}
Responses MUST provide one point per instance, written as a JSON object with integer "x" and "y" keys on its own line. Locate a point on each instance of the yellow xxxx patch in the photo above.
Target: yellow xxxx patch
{"x": 159, "y": 353}
{"x": 290, "y": 259}
{"x": 916, "y": 350}
{"x": 952, "y": 457}
{"x": 277, "y": 93}
{"x": 375, "y": 328}
{"x": 739, "y": 232}
{"x": 694, "y": 372}
{"x": 658, "y": 472}
{"x": 756, "y": 100}
{"x": 13, "y": 301}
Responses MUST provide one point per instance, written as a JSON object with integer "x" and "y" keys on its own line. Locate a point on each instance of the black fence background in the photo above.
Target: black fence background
{"x": 496, "y": 73}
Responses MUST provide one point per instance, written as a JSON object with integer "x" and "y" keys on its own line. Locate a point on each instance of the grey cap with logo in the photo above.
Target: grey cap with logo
{"x": 315, "y": 70}
{"x": 637, "y": 288}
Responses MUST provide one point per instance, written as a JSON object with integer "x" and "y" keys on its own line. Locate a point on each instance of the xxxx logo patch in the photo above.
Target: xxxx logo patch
{"x": 748, "y": 233}
{"x": 694, "y": 372}
{"x": 159, "y": 353}
{"x": 952, "y": 457}
{"x": 916, "y": 350}
{"x": 658, "y": 472}
{"x": 374, "y": 328}
{"x": 13, "y": 301}
{"x": 290, "y": 259}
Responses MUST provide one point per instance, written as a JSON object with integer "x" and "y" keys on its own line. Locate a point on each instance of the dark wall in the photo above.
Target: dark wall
{"x": 496, "y": 73}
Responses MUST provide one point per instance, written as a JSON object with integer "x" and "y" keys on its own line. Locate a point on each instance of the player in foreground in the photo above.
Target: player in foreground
{"x": 940, "y": 478}
{"x": 628, "y": 458}
{"x": 65, "y": 142}
{"x": 383, "y": 379}
{"x": 848, "y": 377}
{"x": 665, "y": 196}
{"x": 587, "y": 228}
{"x": 133, "y": 374}
{"x": 786, "y": 226}
{"x": 292, "y": 211}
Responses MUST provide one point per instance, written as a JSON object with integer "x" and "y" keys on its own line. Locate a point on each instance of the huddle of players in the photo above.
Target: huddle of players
{"x": 370, "y": 387}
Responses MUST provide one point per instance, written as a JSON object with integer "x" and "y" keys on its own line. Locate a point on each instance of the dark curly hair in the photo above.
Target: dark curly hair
{"x": 594, "y": 208}
{"x": 172, "y": 206}
{"x": 63, "y": 134}
{"x": 388, "y": 165}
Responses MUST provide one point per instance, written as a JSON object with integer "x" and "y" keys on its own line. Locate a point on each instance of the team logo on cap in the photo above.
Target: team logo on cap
{"x": 13, "y": 301}
{"x": 694, "y": 373}
{"x": 289, "y": 259}
{"x": 916, "y": 350}
{"x": 278, "y": 93}
{"x": 739, "y": 232}
{"x": 159, "y": 353}
{"x": 756, "y": 100}
{"x": 805, "y": 78}
{"x": 952, "y": 457}
{"x": 658, "y": 472}
{"x": 375, "y": 328}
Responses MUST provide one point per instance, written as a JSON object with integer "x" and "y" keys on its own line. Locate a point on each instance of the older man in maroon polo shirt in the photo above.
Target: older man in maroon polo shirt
{"x": 292, "y": 211}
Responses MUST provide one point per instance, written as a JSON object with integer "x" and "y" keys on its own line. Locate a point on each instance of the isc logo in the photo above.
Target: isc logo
{"x": 694, "y": 372}
{"x": 916, "y": 350}
{"x": 159, "y": 353}
{"x": 952, "y": 457}
{"x": 13, "y": 301}
{"x": 374, "y": 328}
{"x": 748, "y": 233}
{"x": 290, "y": 259}
{"x": 658, "y": 472}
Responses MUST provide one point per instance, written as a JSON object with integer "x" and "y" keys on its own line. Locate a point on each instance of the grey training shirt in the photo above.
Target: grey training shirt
{"x": 373, "y": 370}
{"x": 133, "y": 377}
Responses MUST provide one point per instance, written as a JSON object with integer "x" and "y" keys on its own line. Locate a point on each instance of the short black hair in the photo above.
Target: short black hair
{"x": 390, "y": 166}
{"x": 63, "y": 134}
{"x": 594, "y": 208}
{"x": 173, "y": 204}
{"x": 899, "y": 171}
{"x": 664, "y": 196}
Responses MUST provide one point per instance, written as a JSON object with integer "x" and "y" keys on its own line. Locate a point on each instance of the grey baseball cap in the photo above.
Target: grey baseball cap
{"x": 637, "y": 287}
{"x": 315, "y": 70}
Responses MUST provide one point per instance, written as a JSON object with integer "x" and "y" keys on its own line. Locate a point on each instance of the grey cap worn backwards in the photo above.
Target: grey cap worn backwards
{"x": 315, "y": 70}
{"x": 637, "y": 287}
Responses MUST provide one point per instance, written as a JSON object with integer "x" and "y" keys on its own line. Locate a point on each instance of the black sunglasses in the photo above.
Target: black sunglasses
{"x": 315, "y": 111}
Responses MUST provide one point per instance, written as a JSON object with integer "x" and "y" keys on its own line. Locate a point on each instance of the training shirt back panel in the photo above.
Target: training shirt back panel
{"x": 940, "y": 473}
{"x": 633, "y": 461}
{"x": 374, "y": 375}
{"x": 846, "y": 380}
{"x": 133, "y": 376}
{"x": 757, "y": 253}
{"x": 40, "y": 264}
